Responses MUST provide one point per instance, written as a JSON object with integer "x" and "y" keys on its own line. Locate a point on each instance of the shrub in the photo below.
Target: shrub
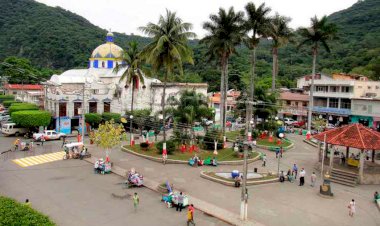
{"x": 171, "y": 146}
{"x": 6, "y": 97}
{"x": 14, "y": 213}
{"x": 22, "y": 107}
{"x": 31, "y": 118}
{"x": 8, "y": 103}
{"x": 107, "y": 116}
{"x": 144, "y": 145}
{"x": 93, "y": 119}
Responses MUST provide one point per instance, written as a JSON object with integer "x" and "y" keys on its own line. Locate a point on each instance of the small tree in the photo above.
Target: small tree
{"x": 108, "y": 135}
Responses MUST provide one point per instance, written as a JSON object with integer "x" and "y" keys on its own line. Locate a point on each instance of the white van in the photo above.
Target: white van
{"x": 12, "y": 129}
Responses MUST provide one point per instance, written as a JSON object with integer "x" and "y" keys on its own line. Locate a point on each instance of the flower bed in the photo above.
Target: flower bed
{"x": 266, "y": 178}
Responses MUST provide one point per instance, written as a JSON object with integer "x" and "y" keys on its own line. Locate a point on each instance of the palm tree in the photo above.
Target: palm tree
{"x": 133, "y": 74}
{"x": 319, "y": 33}
{"x": 280, "y": 33}
{"x": 257, "y": 23}
{"x": 225, "y": 33}
{"x": 169, "y": 48}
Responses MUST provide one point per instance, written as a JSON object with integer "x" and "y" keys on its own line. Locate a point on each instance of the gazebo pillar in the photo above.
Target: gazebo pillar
{"x": 361, "y": 166}
{"x": 347, "y": 152}
{"x": 373, "y": 155}
{"x": 331, "y": 159}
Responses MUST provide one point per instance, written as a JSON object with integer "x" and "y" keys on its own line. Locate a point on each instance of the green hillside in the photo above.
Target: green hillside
{"x": 55, "y": 38}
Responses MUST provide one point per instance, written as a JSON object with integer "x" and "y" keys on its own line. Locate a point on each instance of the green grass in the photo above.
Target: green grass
{"x": 232, "y": 135}
{"x": 223, "y": 155}
{"x": 15, "y": 213}
{"x": 266, "y": 177}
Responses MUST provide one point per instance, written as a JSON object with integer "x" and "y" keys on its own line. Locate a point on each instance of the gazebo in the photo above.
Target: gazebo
{"x": 353, "y": 136}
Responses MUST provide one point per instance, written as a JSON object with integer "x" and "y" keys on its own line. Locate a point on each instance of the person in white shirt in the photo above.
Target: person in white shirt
{"x": 264, "y": 160}
{"x": 351, "y": 208}
{"x": 302, "y": 177}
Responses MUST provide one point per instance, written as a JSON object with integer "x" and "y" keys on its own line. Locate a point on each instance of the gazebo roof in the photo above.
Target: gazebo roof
{"x": 354, "y": 135}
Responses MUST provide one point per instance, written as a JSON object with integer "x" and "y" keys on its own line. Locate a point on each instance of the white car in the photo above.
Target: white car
{"x": 289, "y": 121}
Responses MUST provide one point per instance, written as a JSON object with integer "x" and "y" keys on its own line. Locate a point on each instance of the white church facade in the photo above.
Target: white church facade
{"x": 101, "y": 89}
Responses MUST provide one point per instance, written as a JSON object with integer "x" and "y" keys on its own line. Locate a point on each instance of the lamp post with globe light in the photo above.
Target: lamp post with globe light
{"x": 132, "y": 142}
{"x": 280, "y": 135}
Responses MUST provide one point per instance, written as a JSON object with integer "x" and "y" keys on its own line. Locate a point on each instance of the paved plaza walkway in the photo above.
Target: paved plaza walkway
{"x": 269, "y": 204}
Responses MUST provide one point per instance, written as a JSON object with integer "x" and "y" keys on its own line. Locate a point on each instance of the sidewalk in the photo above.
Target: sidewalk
{"x": 199, "y": 204}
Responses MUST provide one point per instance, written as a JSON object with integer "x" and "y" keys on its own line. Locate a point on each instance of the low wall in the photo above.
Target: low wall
{"x": 232, "y": 184}
{"x": 371, "y": 178}
{"x": 172, "y": 161}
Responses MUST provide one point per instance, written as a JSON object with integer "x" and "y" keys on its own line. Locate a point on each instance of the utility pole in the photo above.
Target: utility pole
{"x": 83, "y": 112}
{"x": 244, "y": 191}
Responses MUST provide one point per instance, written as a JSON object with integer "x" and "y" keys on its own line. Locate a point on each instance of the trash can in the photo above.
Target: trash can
{"x": 255, "y": 170}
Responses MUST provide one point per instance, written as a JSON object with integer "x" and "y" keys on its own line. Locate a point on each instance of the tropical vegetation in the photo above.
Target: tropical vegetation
{"x": 31, "y": 118}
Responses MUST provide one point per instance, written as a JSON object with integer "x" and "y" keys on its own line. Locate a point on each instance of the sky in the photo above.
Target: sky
{"x": 125, "y": 16}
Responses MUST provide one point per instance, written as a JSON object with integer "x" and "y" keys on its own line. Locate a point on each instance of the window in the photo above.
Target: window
{"x": 304, "y": 104}
{"x": 107, "y": 107}
{"x": 14, "y": 92}
{"x": 103, "y": 64}
{"x": 62, "y": 109}
{"x": 345, "y": 103}
{"x": 369, "y": 87}
{"x": 333, "y": 103}
{"x": 77, "y": 106}
{"x": 288, "y": 102}
{"x": 95, "y": 91}
{"x": 93, "y": 107}
{"x": 321, "y": 88}
{"x": 346, "y": 89}
{"x": 296, "y": 104}
{"x": 334, "y": 89}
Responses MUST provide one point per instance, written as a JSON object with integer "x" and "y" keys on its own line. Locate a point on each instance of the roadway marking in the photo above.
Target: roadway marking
{"x": 39, "y": 159}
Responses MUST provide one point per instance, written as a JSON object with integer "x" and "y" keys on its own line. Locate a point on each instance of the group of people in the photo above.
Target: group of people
{"x": 292, "y": 174}
{"x": 22, "y": 146}
{"x": 197, "y": 161}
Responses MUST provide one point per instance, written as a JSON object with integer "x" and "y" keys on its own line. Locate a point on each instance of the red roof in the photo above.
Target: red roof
{"x": 23, "y": 87}
{"x": 294, "y": 96}
{"x": 354, "y": 135}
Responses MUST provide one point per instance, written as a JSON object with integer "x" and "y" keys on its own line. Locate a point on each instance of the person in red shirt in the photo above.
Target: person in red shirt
{"x": 164, "y": 156}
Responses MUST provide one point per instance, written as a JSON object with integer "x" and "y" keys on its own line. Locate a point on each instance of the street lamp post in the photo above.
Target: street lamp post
{"x": 281, "y": 135}
{"x": 132, "y": 142}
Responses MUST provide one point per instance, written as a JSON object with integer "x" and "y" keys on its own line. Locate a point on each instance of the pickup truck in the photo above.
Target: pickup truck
{"x": 48, "y": 135}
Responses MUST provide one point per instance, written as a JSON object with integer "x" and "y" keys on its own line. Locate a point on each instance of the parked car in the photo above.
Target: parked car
{"x": 299, "y": 123}
{"x": 289, "y": 121}
{"x": 49, "y": 135}
{"x": 5, "y": 117}
{"x": 9, "y": 129}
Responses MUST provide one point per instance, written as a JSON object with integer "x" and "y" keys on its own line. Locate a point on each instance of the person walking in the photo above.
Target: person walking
{"x": 313, "y": 179}
{"x": 351, "y": 208}
{"x": 277, "y": 152}
{"x": 295, "y": 171}
{"x": 136, "y": 201}
{"x": 302, "y": 177}
{"x": 180, "y": 202}
{"x": 63, "y": 141}
{"x": 42, "y": 140}
{"x": 264, "y": 160}
{"x": 190, "y": 215}
{"x": 281, "y": 151}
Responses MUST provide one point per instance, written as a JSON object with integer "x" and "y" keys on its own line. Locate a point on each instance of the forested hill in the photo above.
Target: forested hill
{"x": 51, "y": 37}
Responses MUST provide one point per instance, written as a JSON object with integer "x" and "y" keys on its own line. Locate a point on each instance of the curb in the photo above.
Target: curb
{"x": 173, "y": 161}
{"x": 269, "y": 147}
{"x": 310, "y": 143}
{"x": 232, "y": 184}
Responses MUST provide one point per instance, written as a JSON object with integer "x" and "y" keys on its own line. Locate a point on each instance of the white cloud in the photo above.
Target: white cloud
{"x": 127, "y": 15}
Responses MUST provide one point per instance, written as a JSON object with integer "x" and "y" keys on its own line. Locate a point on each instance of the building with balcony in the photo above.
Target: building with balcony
{"x": 340, "y": 97}
{"x": 99, "y": 88}
{"x": 294, "y": 104}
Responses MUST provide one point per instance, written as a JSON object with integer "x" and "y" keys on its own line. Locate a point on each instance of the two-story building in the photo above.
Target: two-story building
{"x": 294, "y": 104}
{"x": 30, "y": 93}
{"x": 345, "y": 98}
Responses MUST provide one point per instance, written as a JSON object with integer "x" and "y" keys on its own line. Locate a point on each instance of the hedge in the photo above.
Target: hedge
{"x": 15, "y": 213}
{"x": 6, "y": 97}
{"x": 22, "y": 107}
{"x": 93, "y": 119}
{"x": 31, "y": 118}
{"x": 8, "y": 103}
{"x": 107, "y": 116}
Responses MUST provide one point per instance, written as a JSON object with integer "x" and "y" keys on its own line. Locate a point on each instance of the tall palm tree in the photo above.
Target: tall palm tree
{"x": 257, "y": 22}
{"x": 133, "y": 74}
{"x": 225, "y": 32}
{"x": 280, "y": 33}
{"x": 319, "y": 33}
{"x": 169, "y": 48}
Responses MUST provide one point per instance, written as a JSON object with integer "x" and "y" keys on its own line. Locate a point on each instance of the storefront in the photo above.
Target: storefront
{"x": 364, "y": 120}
